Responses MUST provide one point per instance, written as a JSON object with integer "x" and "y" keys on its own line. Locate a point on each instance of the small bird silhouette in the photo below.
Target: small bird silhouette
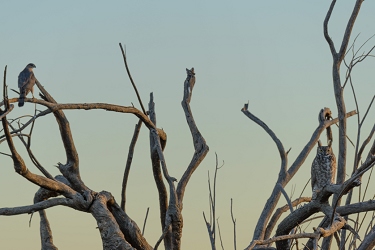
{"x": 26, "y": 81}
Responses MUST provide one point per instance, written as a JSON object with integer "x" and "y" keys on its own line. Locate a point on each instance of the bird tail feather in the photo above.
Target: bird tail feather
{"x": 21, "y": 100}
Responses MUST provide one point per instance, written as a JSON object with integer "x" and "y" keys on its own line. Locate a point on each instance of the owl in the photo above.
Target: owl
{"x": 323, "y": 168}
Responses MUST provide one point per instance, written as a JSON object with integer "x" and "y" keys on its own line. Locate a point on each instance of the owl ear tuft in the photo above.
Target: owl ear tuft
{"x": 319, "y": 143}
{"x": 329, "y": 143}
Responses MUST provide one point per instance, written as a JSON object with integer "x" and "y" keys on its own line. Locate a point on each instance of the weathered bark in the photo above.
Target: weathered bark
{"x": 128, "y": 227}
{"x": 200, "y": 146}
{"x": 158, "y": 177}
{"x": 112, "y": 237}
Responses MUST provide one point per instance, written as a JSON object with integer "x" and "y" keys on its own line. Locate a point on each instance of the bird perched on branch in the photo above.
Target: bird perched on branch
{"x": 323, "y": 169}
{"x": 26, "y": 81}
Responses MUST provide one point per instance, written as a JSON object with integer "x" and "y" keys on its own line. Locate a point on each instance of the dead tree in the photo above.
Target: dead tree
{"x": 336, "y": 215}
{"x": 117, "y": 229}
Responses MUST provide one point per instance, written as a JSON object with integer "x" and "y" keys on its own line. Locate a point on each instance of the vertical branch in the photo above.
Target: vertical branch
{"x": 45, "y": 228}
{"x": 214, "y": 200}
{"x": 5, "y": 94}
{"x": 211, "y": 226}
{"x": 129, "y": 162}
{"x": 173, "y": 215}
{"x": 218, "y": 228}
{"x": 158, "y": 177}
{"x": 200, "y": 146}
{"x": 131, "y": 79}
{"x": 8, "y": 107}
{"x": 46, "y": 232}
{"x": 339, "y": 94}
{"x": 144, "y": 223}
{"x": 210, "y": 232}
{"x": 234, "y": 224}
{"x": 135, "y": 135}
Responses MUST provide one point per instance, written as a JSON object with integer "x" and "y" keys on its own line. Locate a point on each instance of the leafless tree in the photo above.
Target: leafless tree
{"x": 117, "y": 229}
{"x": 335, "y": 222}
{"x": 274, "y": 229}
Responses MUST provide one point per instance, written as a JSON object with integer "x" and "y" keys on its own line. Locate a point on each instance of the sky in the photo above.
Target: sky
{"x": 271, "y": 54}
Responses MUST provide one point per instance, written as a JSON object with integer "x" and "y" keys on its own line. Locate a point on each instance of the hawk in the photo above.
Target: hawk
{"x": 26, "y": 81}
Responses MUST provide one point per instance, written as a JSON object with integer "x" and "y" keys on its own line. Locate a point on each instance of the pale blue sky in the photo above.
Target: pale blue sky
{"x": 270, "y": 53}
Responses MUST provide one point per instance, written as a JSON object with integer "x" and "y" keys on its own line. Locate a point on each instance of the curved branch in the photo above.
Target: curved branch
{"x": 71, "y": 169}
{"x": 325, "y": 27}
{"x": 280, "y": 147}
{"x": 200, "y": 145}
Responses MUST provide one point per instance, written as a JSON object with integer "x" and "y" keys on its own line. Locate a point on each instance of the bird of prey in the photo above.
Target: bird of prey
{"x": 26, "y": 81}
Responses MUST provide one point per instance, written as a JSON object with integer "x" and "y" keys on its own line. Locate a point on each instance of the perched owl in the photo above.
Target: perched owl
{"x": 323, "y": 169}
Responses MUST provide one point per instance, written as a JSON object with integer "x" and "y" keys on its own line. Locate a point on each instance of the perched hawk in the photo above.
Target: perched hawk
{"x": 26, "y": 81}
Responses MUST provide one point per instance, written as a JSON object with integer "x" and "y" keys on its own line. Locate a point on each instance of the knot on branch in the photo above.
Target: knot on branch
{"x": 89, "y": 197}
{"x": 324, "y": 115}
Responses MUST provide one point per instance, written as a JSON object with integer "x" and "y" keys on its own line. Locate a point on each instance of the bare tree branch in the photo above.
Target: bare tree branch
{"x": 210, "y": 232}
{"x": 71, "y": 169}
{"x": 32, "y": 156}
{"x": 131, "y": 79}
{"x": 144, "y": 223}
{"x": 7, "y": 211}
{"x": 276, "y": 216}
{"x": 129, "y": 162}
{"x": 234, "y": 225}
{"x": 325, "y": 25}
{"x": 200, "y": 146}
{"x": 158, "y": 177}
{"x": 280, "y": 147}
{"x": 20, "y": 167}
{"x": 128, "y": 227}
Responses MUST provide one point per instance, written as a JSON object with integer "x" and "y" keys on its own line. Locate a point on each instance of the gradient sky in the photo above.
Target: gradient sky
{"x": 271, "y": 54}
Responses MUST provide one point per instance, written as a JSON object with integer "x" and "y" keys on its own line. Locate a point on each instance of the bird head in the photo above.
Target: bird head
{"x": 31, "y": 65}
